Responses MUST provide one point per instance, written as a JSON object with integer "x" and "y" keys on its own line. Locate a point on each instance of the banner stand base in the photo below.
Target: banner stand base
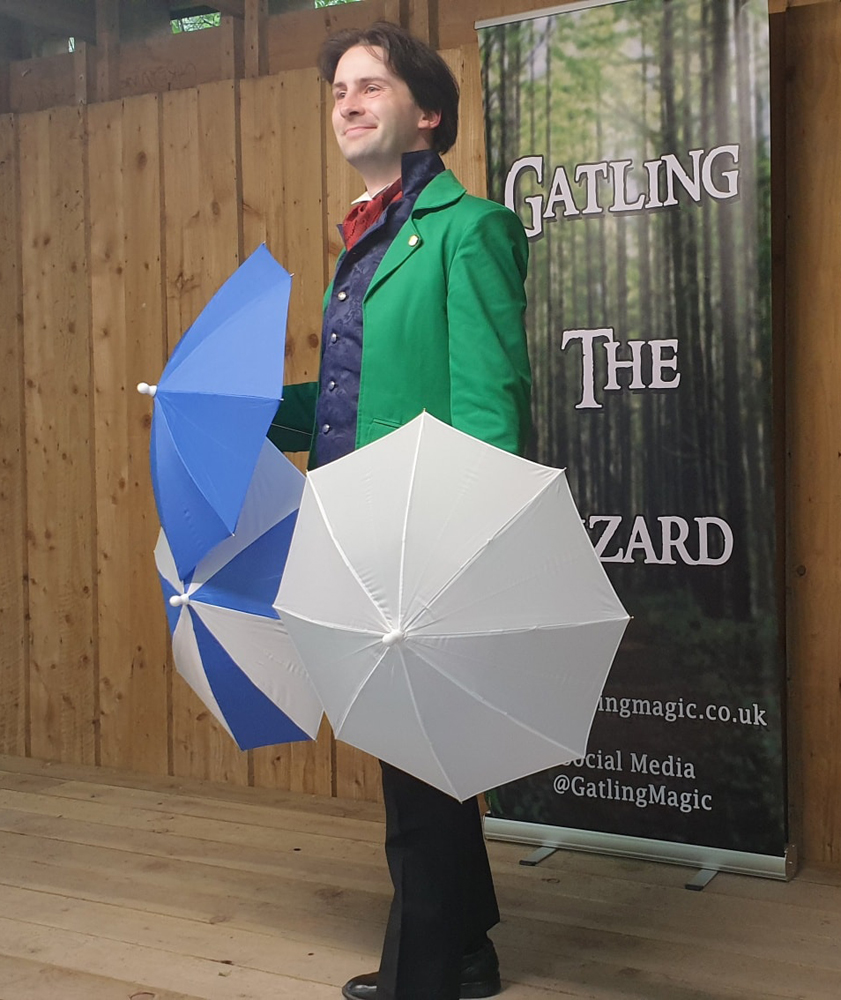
{"x": 701, "y": 879}
{"x": 541, "y": 854}
{"x": 708, "y": 859}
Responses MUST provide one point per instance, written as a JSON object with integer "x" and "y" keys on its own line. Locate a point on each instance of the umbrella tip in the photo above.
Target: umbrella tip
{"x": 390, "y": 638}
{"x": 145, "y": 389}
{"x": 178, "y": 599}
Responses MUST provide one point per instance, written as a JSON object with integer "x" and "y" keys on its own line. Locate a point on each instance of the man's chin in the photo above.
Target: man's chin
{"x": 366, "y": 160}
{"x": 355, "y": 151}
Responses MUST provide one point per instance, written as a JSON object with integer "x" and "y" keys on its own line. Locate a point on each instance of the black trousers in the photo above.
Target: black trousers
{"x": 444, "y": 901}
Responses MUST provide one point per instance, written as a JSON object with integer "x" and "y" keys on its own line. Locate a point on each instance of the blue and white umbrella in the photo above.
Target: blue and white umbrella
{"x": 213, "y": 405}
{"x": 228, "y": 642}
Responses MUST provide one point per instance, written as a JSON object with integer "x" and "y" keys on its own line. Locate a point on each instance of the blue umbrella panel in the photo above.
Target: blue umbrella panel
{"x": 228, "y": 642}
{"x": 213, "y": 405}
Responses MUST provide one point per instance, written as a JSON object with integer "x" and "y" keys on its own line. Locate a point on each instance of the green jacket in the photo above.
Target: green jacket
{"x": 443, "y": 328}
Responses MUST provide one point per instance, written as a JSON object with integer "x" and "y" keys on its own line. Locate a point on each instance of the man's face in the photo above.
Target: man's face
{"x": 375, "y": 117}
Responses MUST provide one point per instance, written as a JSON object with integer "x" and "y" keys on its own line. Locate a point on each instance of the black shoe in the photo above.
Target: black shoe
{"x": 479, "y": 978}
{"x": 480, "y": 973}
{"x": 361, "y": 987}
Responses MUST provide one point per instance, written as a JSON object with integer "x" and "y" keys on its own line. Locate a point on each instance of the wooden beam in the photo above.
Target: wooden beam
{"x": 421, "y": 18}
{"x": 392, "y": 11}
{"x": 813, "y": 412}
{"x": 231, "y": 62}
{"x": 5, "y": 87}
{"x": 230, "y": 8}
{"x": 83, "y": 71}
{"x": 780, "y": 6}
{"x": 227, "y": 8}
{"x": 70, "y": 18}
{"x": 256, "y": 38}
{"x": 108, "y": 49}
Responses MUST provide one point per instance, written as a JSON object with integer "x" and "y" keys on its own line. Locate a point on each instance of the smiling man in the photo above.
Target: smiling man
{"x": 425, "y": 312}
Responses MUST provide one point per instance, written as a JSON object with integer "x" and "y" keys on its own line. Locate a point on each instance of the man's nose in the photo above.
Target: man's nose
{"x": 349, "y": 107}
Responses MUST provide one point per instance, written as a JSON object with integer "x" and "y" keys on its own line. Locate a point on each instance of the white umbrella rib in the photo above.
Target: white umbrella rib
{"x": 419, "y": 717}
{"x": 490, "y": 705}
{"x": 328, "y": 624}
{"x": 460, "y": 570}
{"x": 344, "y": 558}
{"x": 351, "y": 701}
{"x": 406, "y": 528}
{"x": 551, "y": 627}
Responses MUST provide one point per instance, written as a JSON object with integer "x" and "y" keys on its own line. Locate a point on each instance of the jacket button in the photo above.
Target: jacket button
{"x": 333, "y": 338}
{"x": 331, "y": 385}
{"x": 325, "y": 428}
{"x": 342, "y": 296}
{"x": 414, "y": 239}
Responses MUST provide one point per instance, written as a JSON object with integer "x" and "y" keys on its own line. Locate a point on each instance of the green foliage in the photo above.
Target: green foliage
{"x": 199, "y": 21}
{"x": 195, "y": 23}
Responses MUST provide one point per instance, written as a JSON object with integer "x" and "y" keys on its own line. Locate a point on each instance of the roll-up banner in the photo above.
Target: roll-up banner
{"x": 632, "y": 139}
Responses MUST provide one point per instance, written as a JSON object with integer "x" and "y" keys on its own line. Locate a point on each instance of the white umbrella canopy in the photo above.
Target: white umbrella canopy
{"x": 449, "y": 608}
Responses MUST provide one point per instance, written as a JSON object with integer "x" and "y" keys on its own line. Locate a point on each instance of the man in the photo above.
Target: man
{"x": 425, "y": 312}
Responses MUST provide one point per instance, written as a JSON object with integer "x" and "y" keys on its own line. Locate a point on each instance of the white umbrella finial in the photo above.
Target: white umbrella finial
{"x": 394, "y": 636}
{"x": 178, "y": 600}
{"x": 145, "y": 389}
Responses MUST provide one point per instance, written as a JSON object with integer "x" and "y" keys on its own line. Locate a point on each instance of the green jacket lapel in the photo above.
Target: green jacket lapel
{"x": 443, "y": 190}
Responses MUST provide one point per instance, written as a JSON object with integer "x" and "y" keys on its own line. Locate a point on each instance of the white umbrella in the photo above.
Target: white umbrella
{"x": 227, "y": 640}
{"x": 449, "y": 608}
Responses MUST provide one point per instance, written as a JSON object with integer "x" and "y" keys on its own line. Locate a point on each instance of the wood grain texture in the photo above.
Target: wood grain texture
{"x": 282, "y": 207}
{"x": 456, "y": 22}
{"x": 290, "y": 163}
{"x": 127, "y": 333}
{"x": 60, "y": 460}
{"x": 235, "y": 892}
{"x": 813, "y": 294}
{"x": 202, "y": 243}
{"x": 467, "y": 157}
{"x": 255, "y": 42}
{"x": 294, "y": 38}
{"x": 13, "y": 586}
{"x": 35, "y": 84}
{"x": 161, "y": 63}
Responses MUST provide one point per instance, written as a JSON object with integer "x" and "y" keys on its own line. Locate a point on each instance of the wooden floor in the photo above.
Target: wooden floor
{"x": 116, "y": 886}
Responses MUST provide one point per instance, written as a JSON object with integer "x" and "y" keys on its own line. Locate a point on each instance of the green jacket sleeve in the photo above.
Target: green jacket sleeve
{"x": 489, "y": 363}
{"x": 292, "y": 426}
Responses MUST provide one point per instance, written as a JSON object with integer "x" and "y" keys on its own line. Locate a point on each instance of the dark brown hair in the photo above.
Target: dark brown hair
{"x": 424, "y": 72}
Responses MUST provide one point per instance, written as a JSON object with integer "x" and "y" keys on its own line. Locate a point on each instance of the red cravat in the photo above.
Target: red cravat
{"x": 365, "y": 213}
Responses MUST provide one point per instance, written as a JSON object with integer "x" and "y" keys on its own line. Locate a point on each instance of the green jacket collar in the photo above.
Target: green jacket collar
{"x": 444, "y": 189}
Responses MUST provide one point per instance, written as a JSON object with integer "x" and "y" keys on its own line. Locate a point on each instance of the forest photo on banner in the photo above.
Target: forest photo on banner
{"x": 632, "y": 138}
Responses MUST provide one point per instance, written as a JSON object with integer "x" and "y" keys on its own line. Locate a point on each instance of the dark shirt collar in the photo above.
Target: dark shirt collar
{"x": 418, "y": 169}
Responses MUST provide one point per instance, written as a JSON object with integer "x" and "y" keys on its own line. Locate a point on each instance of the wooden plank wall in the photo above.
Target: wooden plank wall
{"x": 127, "y": 338}
{"x": 117, "y": 222}
{"x": 58, "y": 432}
{"x": 14, "y": 660}
{"x": 813, "y": 368}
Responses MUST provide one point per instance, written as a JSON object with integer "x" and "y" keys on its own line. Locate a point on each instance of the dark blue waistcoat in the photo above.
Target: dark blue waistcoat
{"x": 341, "y": 335}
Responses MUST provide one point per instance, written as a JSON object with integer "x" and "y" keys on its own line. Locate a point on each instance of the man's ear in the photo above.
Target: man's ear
{"x": 429, "y": 120}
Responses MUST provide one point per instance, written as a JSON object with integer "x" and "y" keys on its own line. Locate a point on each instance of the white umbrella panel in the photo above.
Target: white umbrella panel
{"x": 449, "y": 608}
